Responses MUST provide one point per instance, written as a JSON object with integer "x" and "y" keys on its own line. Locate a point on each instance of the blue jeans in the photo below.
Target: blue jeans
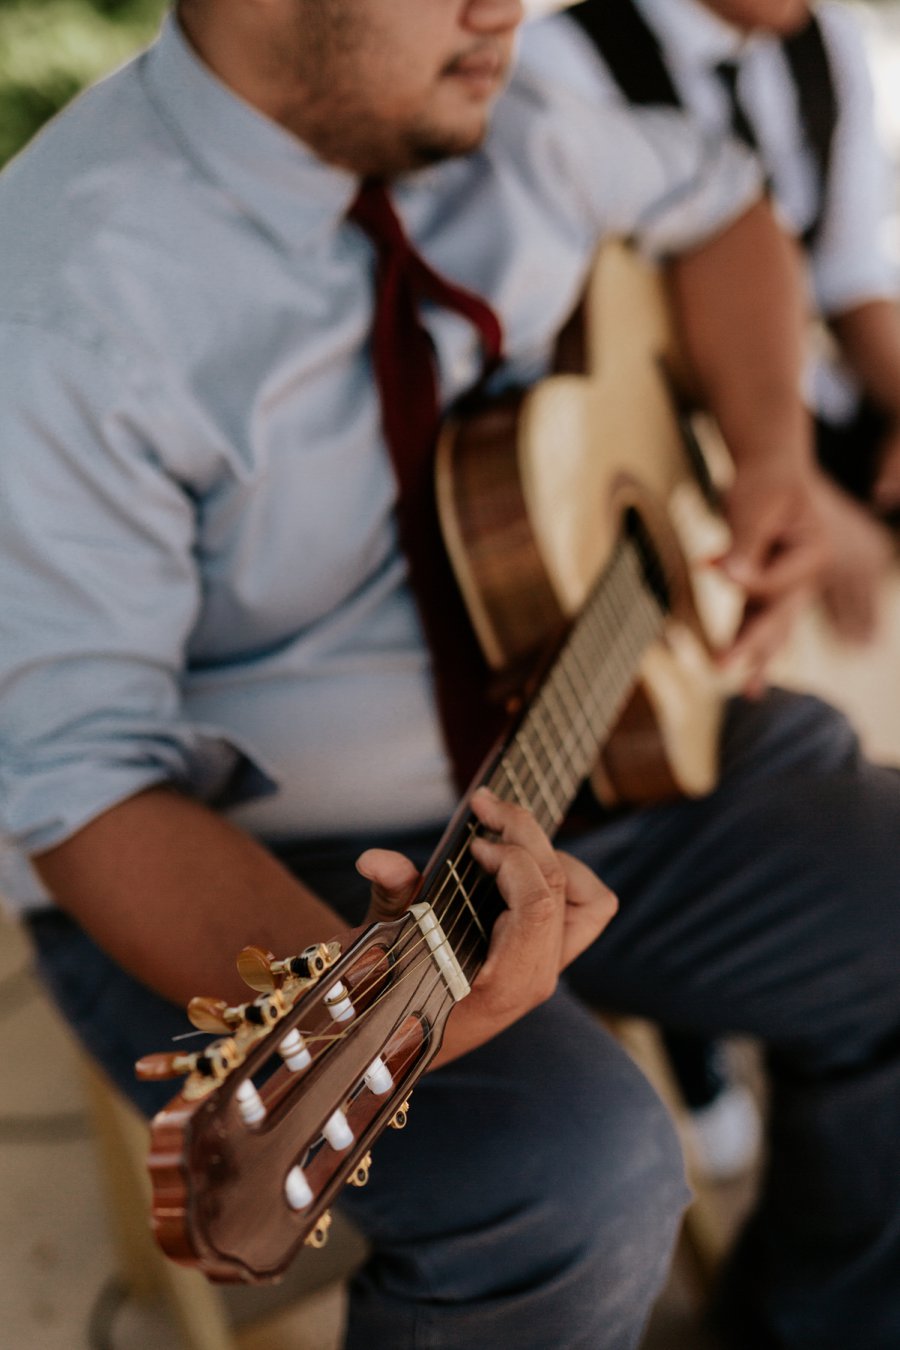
{"x": 533, "y": 1200}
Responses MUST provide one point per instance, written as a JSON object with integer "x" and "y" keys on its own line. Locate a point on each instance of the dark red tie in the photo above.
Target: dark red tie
{"x": 403, "y": 359}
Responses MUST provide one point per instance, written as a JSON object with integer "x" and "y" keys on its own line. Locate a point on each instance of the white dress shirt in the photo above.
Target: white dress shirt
{"x": 201, "y": 579}
{"x": 851, "y": 260}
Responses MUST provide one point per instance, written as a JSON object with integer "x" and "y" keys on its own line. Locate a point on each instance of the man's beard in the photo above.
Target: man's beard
{"x": 357, "y": 141}
{"x": 404, "y": 151}
{"x": 433, "y": 147}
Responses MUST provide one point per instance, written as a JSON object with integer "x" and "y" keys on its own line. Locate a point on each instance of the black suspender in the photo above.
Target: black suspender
{"x": 635, "y": 59}
{"x": 807, "y": 57}
{"x": 630, "y": 48}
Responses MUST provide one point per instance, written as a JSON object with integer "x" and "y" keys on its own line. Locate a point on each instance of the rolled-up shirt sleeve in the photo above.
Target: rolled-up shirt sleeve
{"x": 851, "y": 259}
{"x": 688, "y": 185}
{"x": 100, "y": 592}
{"x": 650, "y": 174}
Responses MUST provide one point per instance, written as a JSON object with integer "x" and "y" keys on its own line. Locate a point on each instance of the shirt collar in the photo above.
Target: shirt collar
{"x": 688, "y": 28}
{"x": 268, "y": 172}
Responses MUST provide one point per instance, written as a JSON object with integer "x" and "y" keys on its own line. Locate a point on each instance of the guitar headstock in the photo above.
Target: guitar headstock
{"x": 281, "y": 1111}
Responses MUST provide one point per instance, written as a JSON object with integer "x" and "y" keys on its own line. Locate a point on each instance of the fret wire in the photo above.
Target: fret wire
{"x": 551, "y": 753}
{"x": 583, "y": 702}
{"x": 550, "y": 803}
{"x": 505, "y": 767}
{"x": 560, "y": 752}
{"x": 523, "y": 771}
{"x": 528, "y": 776}
{"x": 572, "y": 668}
{"x": 555, "y": 751}
{"x": 596, "y": 714}
{"x": 563, "y": 699}
{"x": 602, "y": 709}
{"x": 620, "y": 653}
{"x": 618, "y": 676}
{"x": 620, "y": 608}
{"x": 600, "y": 718}
{"x": 612, "y": 657}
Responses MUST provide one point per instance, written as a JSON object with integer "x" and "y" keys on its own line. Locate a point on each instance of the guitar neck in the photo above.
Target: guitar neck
{"x": 552, "y": 747}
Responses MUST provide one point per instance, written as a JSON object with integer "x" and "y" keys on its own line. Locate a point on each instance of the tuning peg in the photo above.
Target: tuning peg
{"x": 262, "y": 972}
{"x": 156, "y": 1068}
{"x": 255, "y": 968}
{"x": 215, "y": 1062}
{"x": 213, "y": 1014}
{"x": 360, "y": 1177}
{"x": 210, "y": 1014}
{"x": 319, "y": 1235}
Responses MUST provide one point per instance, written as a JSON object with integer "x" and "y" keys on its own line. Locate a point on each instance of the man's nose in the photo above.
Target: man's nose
{"x": 493, "y": 16}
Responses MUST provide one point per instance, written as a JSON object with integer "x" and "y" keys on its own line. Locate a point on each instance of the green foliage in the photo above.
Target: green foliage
{"x": 49, "y": 49}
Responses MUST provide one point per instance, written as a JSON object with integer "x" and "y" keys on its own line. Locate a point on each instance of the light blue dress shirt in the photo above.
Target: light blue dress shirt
{"x": 200, "y": 573}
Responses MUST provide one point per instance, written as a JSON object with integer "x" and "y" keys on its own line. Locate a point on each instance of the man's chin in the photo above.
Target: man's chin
{"x": 432, "y": 147}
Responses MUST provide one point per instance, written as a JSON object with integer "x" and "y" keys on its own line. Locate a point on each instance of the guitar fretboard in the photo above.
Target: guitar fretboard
{"x": 555, "y": 745}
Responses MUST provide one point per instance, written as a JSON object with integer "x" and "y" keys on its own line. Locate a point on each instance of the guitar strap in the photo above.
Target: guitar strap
{"x": 634, "y": 55}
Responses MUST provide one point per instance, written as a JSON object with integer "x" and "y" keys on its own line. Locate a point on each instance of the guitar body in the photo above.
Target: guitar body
{"x": 534, "y": 493}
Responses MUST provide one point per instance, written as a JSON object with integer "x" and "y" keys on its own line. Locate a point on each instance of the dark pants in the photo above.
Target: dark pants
{"x": 532, "y": 1201}
{"x": 851, "y": 452}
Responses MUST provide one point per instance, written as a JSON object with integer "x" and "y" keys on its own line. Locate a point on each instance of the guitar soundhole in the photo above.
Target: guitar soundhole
{"x": 651, "y": 563}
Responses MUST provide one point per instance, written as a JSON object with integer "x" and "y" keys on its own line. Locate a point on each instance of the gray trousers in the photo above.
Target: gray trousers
{"x": 532, "y": 1202}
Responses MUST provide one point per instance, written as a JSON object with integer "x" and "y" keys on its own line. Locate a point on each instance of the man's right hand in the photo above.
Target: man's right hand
{"x": 556, "y": 907}
{"x": 778, "y": 554}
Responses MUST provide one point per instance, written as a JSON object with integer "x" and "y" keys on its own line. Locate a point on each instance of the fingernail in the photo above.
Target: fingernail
{"x": 360, "y": 866}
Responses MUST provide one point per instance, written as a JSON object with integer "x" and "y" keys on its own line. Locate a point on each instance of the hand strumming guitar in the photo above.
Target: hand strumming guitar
{"x": 778, "y": 553}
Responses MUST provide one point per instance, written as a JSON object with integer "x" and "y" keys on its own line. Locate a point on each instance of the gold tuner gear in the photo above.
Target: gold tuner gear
{"x": 360, "y": 1175}
{"x": 319, "y": 1235}
{"x": 400, "y": 1117}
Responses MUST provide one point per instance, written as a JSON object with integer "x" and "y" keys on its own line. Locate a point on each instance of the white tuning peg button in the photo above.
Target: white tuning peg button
{"x": 338, "y": 1003}
{"x": 338, "y": 1132}
{"x": 378, "y": 1078}
{"x": 250, "y": 1103}
{"x": 293, "y": 1050}
{"x": 297, "y": 1189}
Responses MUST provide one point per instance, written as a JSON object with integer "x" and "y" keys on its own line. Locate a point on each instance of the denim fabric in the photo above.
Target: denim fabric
{"x": 533, "y": 1199}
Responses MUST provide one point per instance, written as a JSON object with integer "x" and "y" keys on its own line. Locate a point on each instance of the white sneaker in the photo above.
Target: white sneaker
{"x": 726, "y": 1136}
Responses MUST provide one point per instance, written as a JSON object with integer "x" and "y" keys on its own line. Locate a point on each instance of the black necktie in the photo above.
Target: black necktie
{"x": 728, "y": 73}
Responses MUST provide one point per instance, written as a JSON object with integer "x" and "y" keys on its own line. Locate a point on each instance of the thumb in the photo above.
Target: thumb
{"x": 745, "y": 558}
{"x": 394, "y": 880}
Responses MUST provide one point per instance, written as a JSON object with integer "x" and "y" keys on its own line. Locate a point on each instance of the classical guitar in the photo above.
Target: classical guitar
{"x": 560, "y": 511}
